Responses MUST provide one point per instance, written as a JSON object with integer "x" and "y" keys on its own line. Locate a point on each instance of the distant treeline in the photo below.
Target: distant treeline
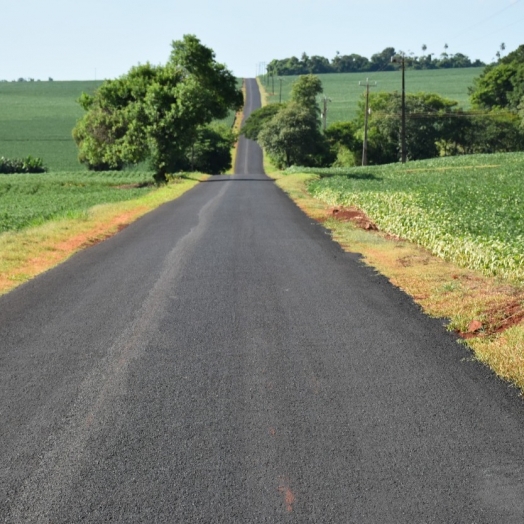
{"x": 360, "y": 64}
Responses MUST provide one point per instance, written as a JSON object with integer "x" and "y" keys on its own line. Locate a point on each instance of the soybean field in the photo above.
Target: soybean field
{"x": 344, "y": 91}
{"x": 37, "y": 118}
{"x": 468, "y": 209}
{"x": 32, "y": 199}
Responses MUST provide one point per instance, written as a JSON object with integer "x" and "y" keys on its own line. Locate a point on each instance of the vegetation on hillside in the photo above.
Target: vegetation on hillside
{"x": 36, "y": 118}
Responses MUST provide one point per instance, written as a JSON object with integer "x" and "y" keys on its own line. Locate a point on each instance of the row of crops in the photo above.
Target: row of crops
{"x": 32, "y": 199}
{"x": 466, "y": 209}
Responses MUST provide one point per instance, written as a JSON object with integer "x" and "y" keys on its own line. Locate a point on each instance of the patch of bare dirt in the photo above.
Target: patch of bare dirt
{"x": 354, "y": 215}
{"x": 499, "y": 319}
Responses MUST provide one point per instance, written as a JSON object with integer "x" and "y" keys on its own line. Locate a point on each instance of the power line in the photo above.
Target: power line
{"x": 493, "y": 32}
{"x": 486, "y": 19}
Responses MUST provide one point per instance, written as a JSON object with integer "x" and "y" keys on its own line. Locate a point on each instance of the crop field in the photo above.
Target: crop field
{"x": 32, "y": 199}
{"x": 36, "y": 118}
{"x": 467, "y": 209}
{"x": 344, "y": 91}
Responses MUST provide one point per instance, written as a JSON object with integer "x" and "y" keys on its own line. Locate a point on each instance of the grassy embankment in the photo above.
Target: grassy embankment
{"x": 344, "y": 91}
{"x": 468, "y": 209}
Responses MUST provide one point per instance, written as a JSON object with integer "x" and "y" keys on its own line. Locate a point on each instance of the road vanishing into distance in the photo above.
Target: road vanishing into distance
{"x": 223, "y": 360}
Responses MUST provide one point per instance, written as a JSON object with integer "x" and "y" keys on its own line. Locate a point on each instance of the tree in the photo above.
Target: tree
{"x": 496, "y": 132}
{"x": 258, "y": 118}
{"x": 382, "y": 61}
{"x": 344, "y": 146}
{"x": 292, "y": 136}
{"x": 156, "y": 112}
{"x": 211, "y": 152}
{"x": 305, "y": 90}
{"x": 426, "y": 124}
{"x": 290, "y": 132}
{"x": 501, "y": 85}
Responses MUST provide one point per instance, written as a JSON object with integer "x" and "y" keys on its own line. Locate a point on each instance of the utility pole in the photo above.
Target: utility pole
{"x": 401, "y": 59}
{"x": 280, "y": 92}
{"x": 272, "y": 81}
{"x": 324, "y": 112}
{"x": 368, "y": 85}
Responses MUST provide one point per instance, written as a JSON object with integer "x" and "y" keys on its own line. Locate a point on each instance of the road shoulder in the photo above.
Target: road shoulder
{"x": 487, "y": 313}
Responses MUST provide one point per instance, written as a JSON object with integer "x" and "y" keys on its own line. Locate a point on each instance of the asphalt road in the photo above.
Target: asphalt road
{"x": 222, "y": 360}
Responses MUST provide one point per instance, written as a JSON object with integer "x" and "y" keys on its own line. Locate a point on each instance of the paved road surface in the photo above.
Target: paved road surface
{"x": 221, "y": 360}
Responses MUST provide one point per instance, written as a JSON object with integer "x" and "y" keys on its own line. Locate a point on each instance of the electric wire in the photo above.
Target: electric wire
{"x": 486, "y": 19}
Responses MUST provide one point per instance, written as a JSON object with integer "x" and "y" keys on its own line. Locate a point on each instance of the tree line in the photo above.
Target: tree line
{"x": 435, "y": 126}
{"x": 355, "y": 63}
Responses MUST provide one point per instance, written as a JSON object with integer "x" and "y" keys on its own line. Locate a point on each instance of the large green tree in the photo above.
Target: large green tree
{"x": 156, "y": 113}
{"x": 305, "y": 91}
{"x": 290, "y": 133}
{"x": 292, "y": 136}
{"x": 258, "y": 118}
{"x": 428, "y": 117}
{"x": 501, "y": 85}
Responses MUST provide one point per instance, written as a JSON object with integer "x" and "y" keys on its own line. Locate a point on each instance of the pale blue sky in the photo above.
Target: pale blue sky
{"x": 74, "y": 40}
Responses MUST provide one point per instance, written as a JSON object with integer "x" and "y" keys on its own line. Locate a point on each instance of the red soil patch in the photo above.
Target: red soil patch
{"x": 499, "y": 320}
{"x": 354, "y": 215}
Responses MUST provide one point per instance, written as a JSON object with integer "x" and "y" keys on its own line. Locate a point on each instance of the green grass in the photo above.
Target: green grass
{"x": 36, "y": 118}
{"x": 344, "y": 91}
{"x": 28, "y": 200}
{"x": 467, "y": 209}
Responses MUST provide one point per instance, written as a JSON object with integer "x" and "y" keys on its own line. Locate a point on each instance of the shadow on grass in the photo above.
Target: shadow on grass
{"x": 351, "y": 176}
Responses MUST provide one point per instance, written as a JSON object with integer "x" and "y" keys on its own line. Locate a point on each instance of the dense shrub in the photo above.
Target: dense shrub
{"x": 21, "y": 165}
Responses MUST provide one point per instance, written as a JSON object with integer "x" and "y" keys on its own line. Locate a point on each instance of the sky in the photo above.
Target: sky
{"x": 98, "y": 39}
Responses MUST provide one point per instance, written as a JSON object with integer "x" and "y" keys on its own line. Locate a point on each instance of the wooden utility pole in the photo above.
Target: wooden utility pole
{"x": 368, "y": 85}
{"x": 324, "y": 112}
{"x": 401, "y": 59}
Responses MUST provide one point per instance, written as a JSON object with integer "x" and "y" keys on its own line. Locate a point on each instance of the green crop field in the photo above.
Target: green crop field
{"x": 36, "y": 118}
{"x": 32, "y": 199}
{"x": 468, "y": 209}
{"x": 344, "y": 91}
